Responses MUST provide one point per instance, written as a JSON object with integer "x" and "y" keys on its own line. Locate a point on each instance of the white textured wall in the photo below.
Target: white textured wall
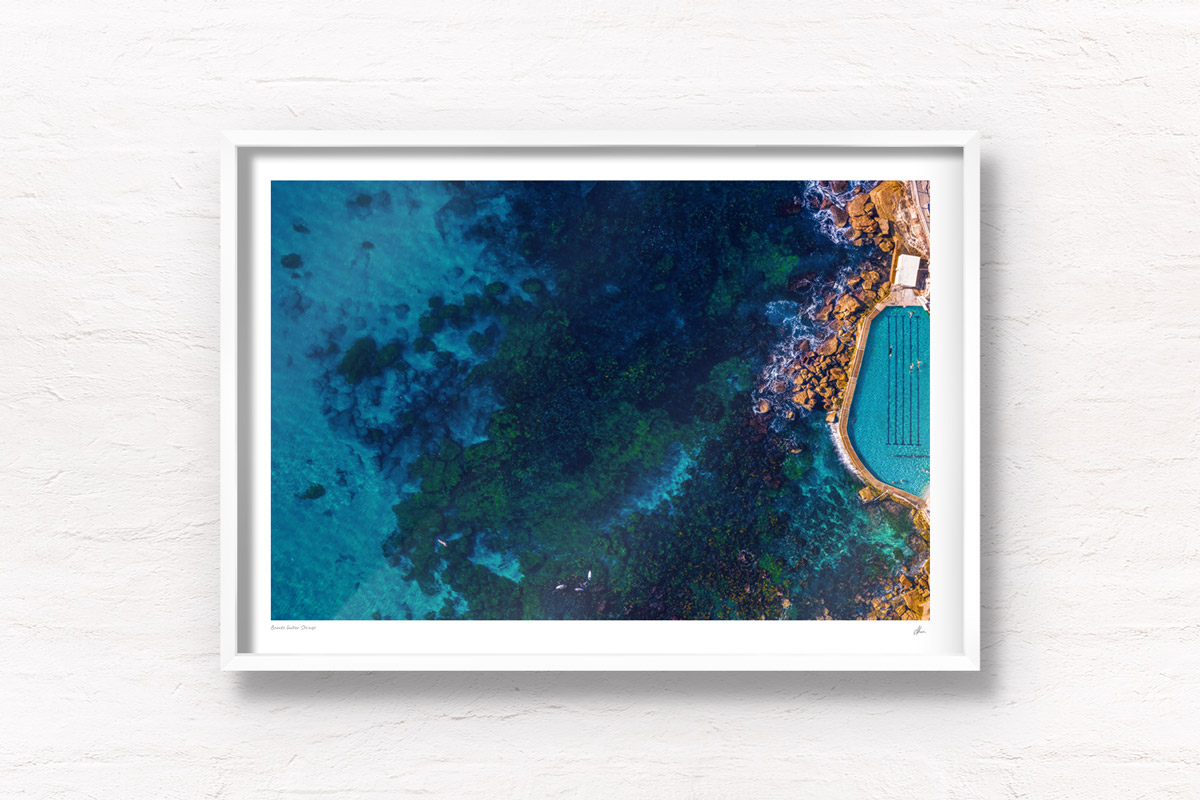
{"x": 109, "y": 114}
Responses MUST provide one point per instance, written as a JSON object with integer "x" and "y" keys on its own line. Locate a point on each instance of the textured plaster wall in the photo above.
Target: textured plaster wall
{"x": 109, "y": 114}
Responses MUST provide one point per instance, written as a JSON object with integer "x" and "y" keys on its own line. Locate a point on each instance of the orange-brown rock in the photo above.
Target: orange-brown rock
{"x": 864, "y": 225}
{"x": 855, "y": 207}
{"x": 829, "y": 346}
{"x": 839, "y": 215}
{"x": 804, "y": 398}
{"x": 888, "y": 198}
{"x": 913, "y": 600}
{"x": 846, "y": 305}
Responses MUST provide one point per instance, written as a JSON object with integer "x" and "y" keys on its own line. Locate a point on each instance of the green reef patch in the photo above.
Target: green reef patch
{"x": 567, "y": 413}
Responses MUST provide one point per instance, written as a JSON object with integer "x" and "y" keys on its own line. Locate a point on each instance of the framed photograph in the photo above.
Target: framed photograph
{"x": 600, "y": 401}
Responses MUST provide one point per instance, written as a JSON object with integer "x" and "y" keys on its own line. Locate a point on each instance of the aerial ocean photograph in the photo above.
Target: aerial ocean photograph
{"x": 600, "y": 400}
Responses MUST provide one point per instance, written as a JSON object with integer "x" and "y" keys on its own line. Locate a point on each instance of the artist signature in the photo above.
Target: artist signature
{"x": 919, "y": 631}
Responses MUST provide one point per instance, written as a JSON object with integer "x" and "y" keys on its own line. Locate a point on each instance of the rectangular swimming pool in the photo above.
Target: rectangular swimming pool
{"x": 889, "y": 413}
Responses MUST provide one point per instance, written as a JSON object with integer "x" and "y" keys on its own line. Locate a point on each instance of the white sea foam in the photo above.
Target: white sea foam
{"x": 824, "y": 217}
{"x": 840, "y": 446}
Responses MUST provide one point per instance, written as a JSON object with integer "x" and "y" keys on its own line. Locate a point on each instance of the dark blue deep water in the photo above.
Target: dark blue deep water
{"x": 537, "y": 400}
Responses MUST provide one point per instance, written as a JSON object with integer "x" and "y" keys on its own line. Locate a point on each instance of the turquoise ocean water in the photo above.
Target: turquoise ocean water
{"x": 409, "y": 266}
{"x": 325, "y": 553}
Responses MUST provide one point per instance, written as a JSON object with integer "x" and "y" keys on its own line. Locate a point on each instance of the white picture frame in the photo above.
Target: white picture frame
{"x": 948, "y": 641}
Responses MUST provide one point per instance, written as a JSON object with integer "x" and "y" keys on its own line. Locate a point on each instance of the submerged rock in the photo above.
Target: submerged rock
{"x": 359, "y": 361}
{"x": 430, "y": 324}
{"x": 313, "y": 492}
{"x": 294, "y": 304}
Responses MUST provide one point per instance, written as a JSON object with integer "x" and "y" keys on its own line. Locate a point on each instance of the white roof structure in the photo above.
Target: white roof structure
{"x": 906, "y": 271}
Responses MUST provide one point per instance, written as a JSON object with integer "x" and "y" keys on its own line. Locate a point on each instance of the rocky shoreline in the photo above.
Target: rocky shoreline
{"x": 904, "y": 595}
{"x": 884, "y": 218}
{"x": 881, "y": 218}
{"x": 883, "y": 215}
{"x": 820, "y": 375}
